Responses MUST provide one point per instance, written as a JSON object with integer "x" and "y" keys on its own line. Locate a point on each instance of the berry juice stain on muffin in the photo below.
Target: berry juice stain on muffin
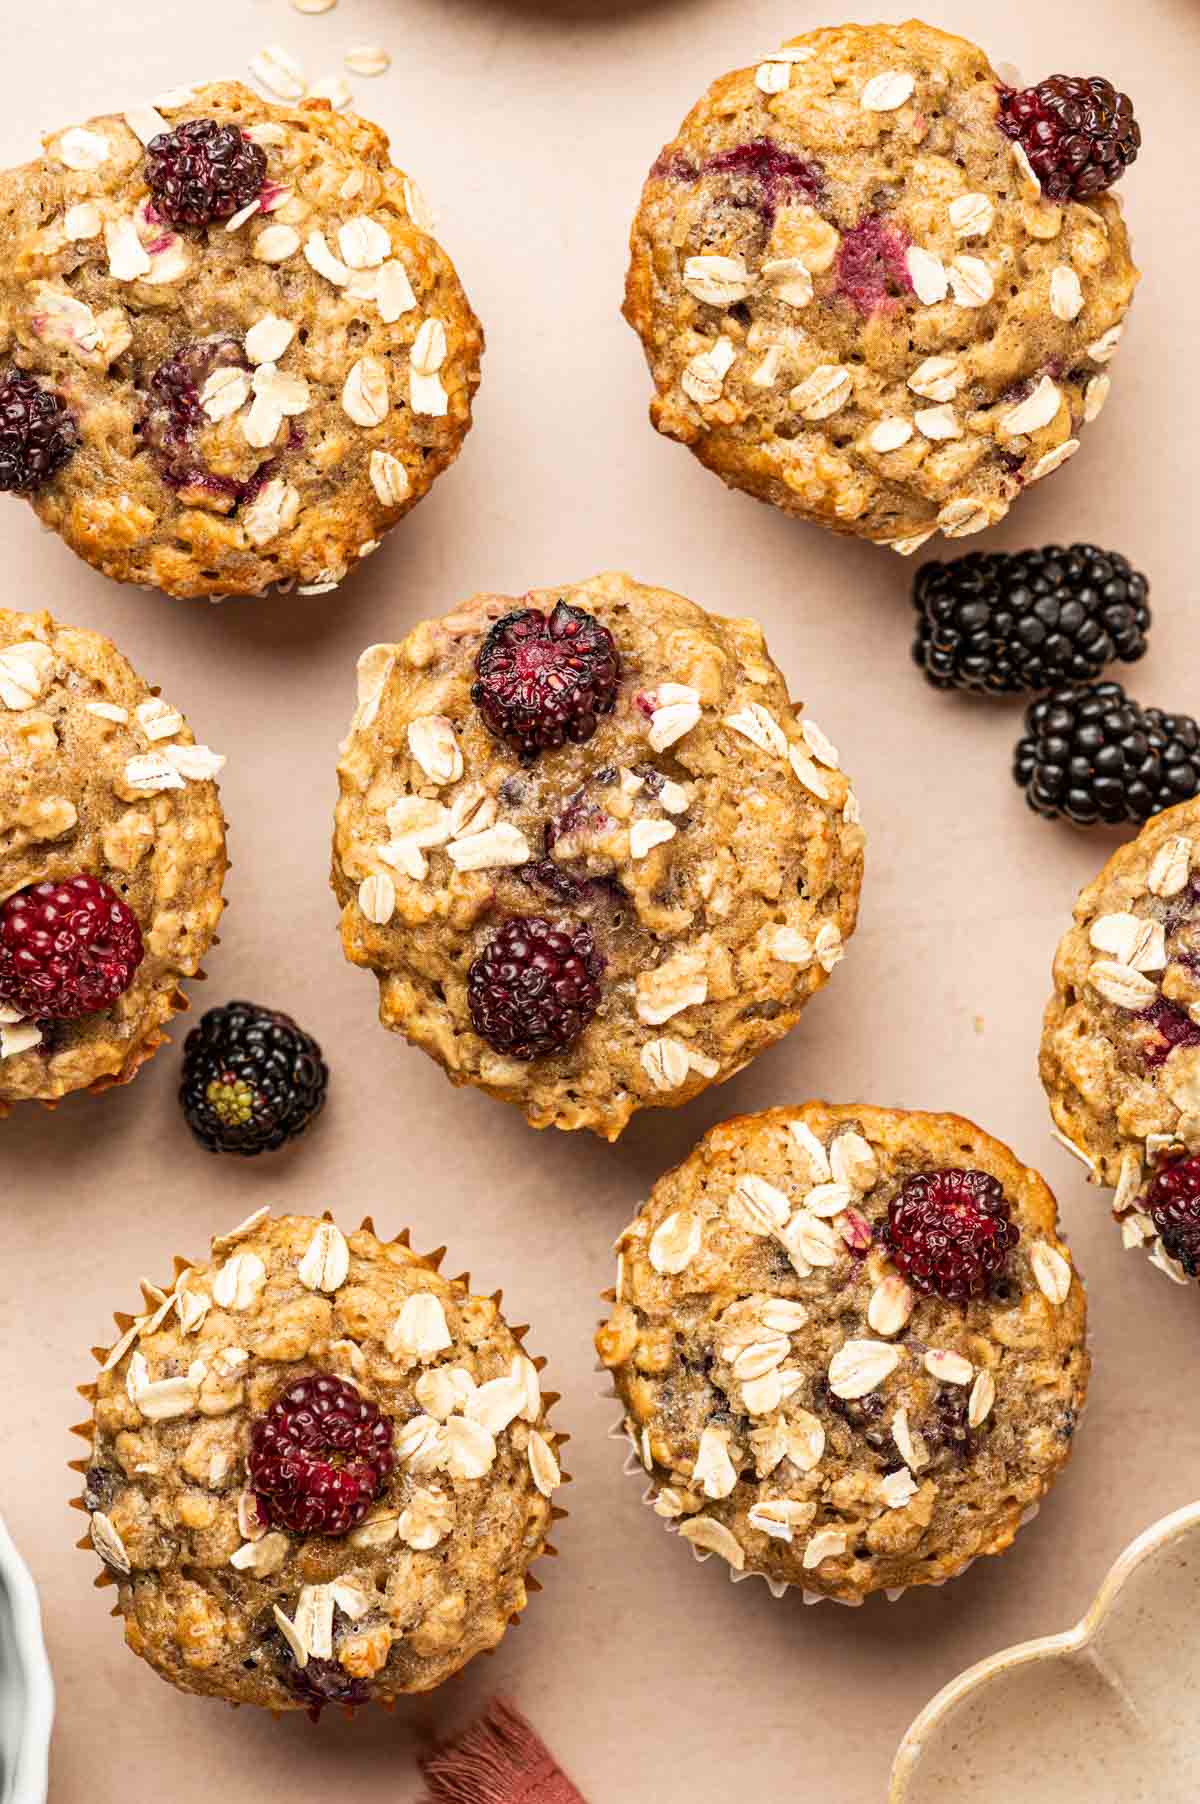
{"x": 868, "y": 1341}
{"x": 593, "y": 853}
{"x": 1120, "y": 1053}
{"x": 235, "y": 353}
{"x": 879, "y": 289}
{"x": 318, "y": 1471}
{"x": 112, "y": 859}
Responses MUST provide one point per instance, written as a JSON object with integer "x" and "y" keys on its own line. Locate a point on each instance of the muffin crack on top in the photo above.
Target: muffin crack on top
{"x": 595, "y": 856}
{"x": 850, "y": 1347}
{"x": 318, "y": 1471}
{"x": 112, "y": 861}
{"x": 858, "y": 299}
{"x": 1120, "y": 1052}
{"x": 236, "y": 355}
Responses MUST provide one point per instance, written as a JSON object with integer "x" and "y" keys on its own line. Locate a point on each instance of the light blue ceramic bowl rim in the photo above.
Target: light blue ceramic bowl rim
{"x": 23, "y": 1766}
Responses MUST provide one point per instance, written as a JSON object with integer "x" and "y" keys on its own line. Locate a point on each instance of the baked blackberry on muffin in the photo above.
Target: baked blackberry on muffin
{"x": 231, "y": 352}
{"x": 595, "y": 857}
{"x": 112, "y": 861}
{"x": 1120, "y": 1056}
{"x": 318, "y": 1471}
{"x": 878, "y": 287}
{"x": 850, "y": 1346}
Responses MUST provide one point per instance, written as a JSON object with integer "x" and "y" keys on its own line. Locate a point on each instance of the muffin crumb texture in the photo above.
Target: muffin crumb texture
{"x": 595, "y": 856}
{"x": 855, "y": 299}
{"x": 319, "y": 1471}
{"x": 804, "y": 1410}
{"x": 1120, "y": 1056}
{"x": 253, "y": 355}
{"x": 101, "y": 778}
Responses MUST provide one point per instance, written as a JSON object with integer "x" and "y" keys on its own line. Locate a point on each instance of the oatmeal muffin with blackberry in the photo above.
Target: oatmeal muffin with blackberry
{"x": 318, "y": 1471}
{"x": 232, "y": 354}
{"x": 850, "y": 1346}
{"x": 1120, "y": 1055}
{"x": 879, "y": 288}
{"x": 112, "y": 861}
{"x": 595, "y": 857}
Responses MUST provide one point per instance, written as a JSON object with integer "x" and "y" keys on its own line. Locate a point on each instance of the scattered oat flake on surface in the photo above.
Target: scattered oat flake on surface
{"x": 108, "y": 1543}
{"x": 333, "y": 88}
{"x": 1170, "y": 867}
{"x": 368, "y": 59}
{"x": 927, "y": 274}
{"x": 279, "y": 72}
{"x": 889, "y": 434}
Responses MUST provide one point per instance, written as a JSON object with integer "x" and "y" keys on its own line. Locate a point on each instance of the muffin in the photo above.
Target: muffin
{"x": 850, "y": 1346}
{"x": 1120, "y": 1054}
{"x": 235, "y": 353}
{"x": 318, "y": 1472}
{"x": 593, "y": 856}
{"x": 112, "y": 861}
{"x": 860, "y": 300}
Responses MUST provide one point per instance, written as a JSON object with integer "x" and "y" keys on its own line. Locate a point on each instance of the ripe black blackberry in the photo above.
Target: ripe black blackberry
{"x": 252, "y": 1079}
{"x": 1006, "y": 622}
{"x": 1091, "y": 754}
{"x": 203, "y": 171}
{"x": 544, "y": 678}
{"x": 38, "y": 432}
{"x": 535, "y": 986}
{"x": 1078, "y": 132}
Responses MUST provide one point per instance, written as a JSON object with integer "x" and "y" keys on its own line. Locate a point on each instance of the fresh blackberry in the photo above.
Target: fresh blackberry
{"x": 38, "y": 432}
{"x": 203, "y": 171}
{"x": 319, "y": 1457}
{"x": 1091, "y": 754}
{"x": 535, "y": 986}
{"x": 950, "y": 1233}
{"x": 1172, "y": 1201}
{"x": 1005, "y": 622}
{"x": 67, "y": 949}
{"x": 1078, "y": 132}
{"x": 544, "y": 678}
{"x": 252, "y": 1079}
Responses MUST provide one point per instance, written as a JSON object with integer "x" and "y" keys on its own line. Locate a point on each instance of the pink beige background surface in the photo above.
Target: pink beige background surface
{"x": 531, "y": 125}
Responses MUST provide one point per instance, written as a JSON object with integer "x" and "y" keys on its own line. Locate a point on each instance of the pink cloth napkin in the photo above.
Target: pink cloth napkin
{"x": 500, "y": 1761}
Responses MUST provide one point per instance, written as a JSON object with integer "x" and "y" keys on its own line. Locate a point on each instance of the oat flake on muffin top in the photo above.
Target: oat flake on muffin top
{"x": 235, "y": 353}
{"x": 1120, "y": 1053}
{"x": 850, "y": 1346}
{"x": 857, "y": 302}
{"x": 595, "y": 856}
{"x": 319, "y": 1471}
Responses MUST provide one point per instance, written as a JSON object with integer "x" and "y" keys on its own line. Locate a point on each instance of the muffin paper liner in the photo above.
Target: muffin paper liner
{"x": 126, "y": 1325}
